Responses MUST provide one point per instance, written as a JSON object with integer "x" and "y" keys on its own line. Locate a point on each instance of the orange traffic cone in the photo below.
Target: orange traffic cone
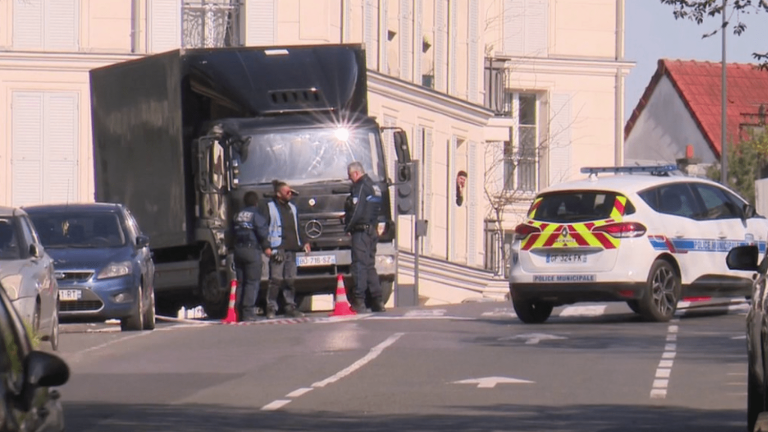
{"x": 231, "y": 312}
{"x": 341, "y": 305}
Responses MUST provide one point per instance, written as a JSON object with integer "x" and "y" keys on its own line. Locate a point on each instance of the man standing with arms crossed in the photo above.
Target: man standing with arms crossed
{"x": 250, "y": 239}
{"x": 285, "y": 240}
{"x": 361, "y": 220}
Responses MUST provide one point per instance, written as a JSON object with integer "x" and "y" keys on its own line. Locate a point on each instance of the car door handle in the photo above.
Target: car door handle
{"x": 678, "y": 234}
{"x": 721, "y": 235}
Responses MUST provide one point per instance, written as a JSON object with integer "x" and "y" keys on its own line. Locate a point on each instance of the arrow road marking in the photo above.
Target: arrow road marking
{"x": 490, "y": 382}
{"x": 533, "y": 338}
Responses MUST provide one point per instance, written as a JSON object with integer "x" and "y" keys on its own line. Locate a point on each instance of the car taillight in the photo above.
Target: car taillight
{"x": 524, "y": 230}
{"x": 622, "y": 229}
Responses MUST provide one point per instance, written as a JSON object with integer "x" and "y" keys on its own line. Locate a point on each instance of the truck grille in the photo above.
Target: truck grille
{"x": 322, "y": 228}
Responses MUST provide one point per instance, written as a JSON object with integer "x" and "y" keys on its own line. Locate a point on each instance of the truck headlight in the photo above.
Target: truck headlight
{"x": 385, "y": 264}
{"x": 12, "y": 285}
{"x": 115, "y": 270}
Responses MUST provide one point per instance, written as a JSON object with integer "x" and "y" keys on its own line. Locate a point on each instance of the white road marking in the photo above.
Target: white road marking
{"x": 78, "y": 355}
{"x": 490, "y": 382}
{"x": 275, "y": 405}
{"x": 666, "y": 364}
{"x": 533, "y": 338}
{"x": 664, "y": 370}
{"x": 588, "y": 311}
{"x": 425, "y": 312}
{"x": 501, "y": 312}
{"x": 299, "y": 392}
{"x": 668, "y": 355}
{"x": 663, "y": 373}
{"x": 372, "y": 354}
{"x": 671, "y": 337}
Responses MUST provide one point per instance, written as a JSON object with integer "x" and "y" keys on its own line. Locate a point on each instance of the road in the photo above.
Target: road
{"x": 469, "y": 367}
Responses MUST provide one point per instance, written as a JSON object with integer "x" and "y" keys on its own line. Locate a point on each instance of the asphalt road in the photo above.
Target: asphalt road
{"x": 471, "y": 367}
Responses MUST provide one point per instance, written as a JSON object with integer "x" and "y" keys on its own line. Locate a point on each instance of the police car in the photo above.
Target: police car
{"x": 643, "y": 235}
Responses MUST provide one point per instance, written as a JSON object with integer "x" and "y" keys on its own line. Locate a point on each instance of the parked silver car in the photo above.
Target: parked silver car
{"x": 27, "y": 274}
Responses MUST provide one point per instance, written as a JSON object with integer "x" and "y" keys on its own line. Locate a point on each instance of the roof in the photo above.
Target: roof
{"x": 698, "y": 84}
{"x": 623, "y": 183}
{"x": 71, "y": 207}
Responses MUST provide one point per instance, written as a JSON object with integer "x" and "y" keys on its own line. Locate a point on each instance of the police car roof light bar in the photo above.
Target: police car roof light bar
{"x": 659, "y": 170}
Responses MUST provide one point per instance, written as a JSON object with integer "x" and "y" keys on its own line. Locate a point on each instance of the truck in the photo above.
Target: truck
{"x": 179, "y": 138}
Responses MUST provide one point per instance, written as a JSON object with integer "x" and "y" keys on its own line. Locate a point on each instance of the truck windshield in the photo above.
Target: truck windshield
{"x": 310, "y": 155}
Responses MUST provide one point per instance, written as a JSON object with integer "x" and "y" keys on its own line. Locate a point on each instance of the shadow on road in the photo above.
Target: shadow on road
{"x": 575, "y": 418}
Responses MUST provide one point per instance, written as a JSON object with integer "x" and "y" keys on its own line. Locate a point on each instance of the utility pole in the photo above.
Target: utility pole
{"x": 723, "y": 109}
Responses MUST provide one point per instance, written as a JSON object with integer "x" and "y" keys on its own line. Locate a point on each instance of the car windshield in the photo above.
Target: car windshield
{"x": 310, "y": 155}
{"x": 577, "y": 206}
{"x": 79, "y": 230}
{"x": 9, "y": 244}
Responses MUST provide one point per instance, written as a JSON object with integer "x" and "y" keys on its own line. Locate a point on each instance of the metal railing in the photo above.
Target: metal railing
{"x": 211, "y": 24}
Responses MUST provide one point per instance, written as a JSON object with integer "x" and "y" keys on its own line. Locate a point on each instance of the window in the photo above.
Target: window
{"x": 211, "y": 23}
{"x": 521, "y": 152}
{"x": 717, "y": 204}
{"x": 49, "y": 25}
{"x": 673, "y": 199}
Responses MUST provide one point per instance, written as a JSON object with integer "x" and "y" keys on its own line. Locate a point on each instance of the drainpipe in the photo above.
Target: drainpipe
{"x": 619, "y": 97}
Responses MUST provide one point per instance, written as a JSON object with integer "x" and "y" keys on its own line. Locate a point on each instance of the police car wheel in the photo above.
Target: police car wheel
{"x": 531, "y": 311}
{"x": 660, "y": 300}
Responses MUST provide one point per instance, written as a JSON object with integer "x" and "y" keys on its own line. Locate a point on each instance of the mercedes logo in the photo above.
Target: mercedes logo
{"x": 313, "y": 229}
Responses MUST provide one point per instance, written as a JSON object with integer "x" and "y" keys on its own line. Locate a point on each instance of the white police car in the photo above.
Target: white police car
{"x": 637, "y": 234}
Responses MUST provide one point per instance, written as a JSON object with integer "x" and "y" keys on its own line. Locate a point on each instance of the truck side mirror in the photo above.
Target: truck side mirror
{"x": 402, "y": 151}
{"x": 203, "y": 147}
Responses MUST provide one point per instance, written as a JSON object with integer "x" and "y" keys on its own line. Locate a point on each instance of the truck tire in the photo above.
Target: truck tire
{"x": 215, "y": 298}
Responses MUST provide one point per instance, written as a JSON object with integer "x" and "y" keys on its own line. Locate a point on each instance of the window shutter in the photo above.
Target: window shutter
{"x": 60, "y": 138}
{"x": 536, "y": 27}
{"x": 259, "y": 22}
{"x": 383, "y": 36}
{"x": 370, "y": 31}
{"x": 472, "y": 192}
{"x": 454, "y": 35}
{"x": 164, "y": 25}
{"x": 473, "y": 54}
{"x": 441, "y": 40}
{"x": 27, "y": 148}
{"x": 406, "y": 39}
{"x": 514, "y": 27}
{"x": 560, "y": 138}
{"x": 61, "y": 29}
{"x": 427, "y": 176}
{"x": 418, "y": 39}
{"x": 451, "y": 193}
{"x": 28, "y": 24}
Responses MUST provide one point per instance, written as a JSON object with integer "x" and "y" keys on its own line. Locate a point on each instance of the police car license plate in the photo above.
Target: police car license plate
{"x": 315, "y": 260}
{"x": 566, "y": 258}
{"x": 70, "y": 295}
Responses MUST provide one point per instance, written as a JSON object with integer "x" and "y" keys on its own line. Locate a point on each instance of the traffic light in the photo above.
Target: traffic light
{"x": 407, "y": 188}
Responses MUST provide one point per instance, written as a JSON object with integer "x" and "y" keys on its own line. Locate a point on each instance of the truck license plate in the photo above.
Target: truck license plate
{"x": 566, "y": 258}
{"x": 70, "y": 295}
{"x": 315, "y": 260}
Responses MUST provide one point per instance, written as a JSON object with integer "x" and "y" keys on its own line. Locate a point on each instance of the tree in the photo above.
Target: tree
{"x": 698, "y": 10}
{"x": 746, "y": 163}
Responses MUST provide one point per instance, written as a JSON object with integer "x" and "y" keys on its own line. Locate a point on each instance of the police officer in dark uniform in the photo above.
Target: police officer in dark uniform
{"x": 251, "y": 238}
{"x": 361, "y": 219}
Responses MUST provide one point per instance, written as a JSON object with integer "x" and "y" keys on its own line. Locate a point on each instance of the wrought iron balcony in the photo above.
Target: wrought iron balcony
{"x": 211, "y": 24}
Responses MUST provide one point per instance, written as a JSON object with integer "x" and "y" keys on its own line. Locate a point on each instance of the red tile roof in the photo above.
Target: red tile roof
{"x": 698, "y": 84}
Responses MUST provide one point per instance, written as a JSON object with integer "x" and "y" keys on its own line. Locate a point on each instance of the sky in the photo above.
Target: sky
{"x": 651, "y": 33}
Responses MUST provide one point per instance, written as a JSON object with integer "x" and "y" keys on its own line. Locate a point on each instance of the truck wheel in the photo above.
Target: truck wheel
{"x": 135, "y": 322}
{"x": 663, "y": 291}
{"x": 215, "y": 298}
{"x": 532, "y": 312}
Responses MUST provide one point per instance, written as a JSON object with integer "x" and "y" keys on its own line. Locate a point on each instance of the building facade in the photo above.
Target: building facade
{"x": 516, "y": 94}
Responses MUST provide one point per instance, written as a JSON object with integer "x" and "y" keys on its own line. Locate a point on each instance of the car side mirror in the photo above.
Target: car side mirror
{"x": 142, "y": 241}
{"x": 743, "y": 258}
{"x": 749, "y": 211}
{"x": 35, "y": 251}
{"x": 41, "y": 369}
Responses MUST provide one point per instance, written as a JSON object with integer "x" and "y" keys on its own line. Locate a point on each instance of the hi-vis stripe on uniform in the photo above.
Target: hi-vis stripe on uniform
{"x": 573, "y": 235}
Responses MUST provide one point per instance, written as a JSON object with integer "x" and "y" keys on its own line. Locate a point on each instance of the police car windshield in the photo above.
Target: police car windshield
{"x": 577, "y": 206}
{"x": 310, "y": 155}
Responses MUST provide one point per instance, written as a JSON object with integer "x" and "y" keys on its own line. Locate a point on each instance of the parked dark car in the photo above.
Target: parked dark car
{"x": 102, "y": 262}
{"x": 26, "y": 375}
{"x": 26, "y": 274}
{"x": 747, "y": 258}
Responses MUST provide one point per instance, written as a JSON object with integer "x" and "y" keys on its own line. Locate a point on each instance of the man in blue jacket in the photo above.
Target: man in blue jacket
{"x": 285, "y": 240}
{"x": 251, "y": 238}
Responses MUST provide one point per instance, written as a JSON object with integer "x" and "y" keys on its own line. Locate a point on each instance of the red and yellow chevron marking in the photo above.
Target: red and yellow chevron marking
{"x": 573, "y": 235}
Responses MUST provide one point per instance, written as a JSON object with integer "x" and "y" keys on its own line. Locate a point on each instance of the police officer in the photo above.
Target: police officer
{"x": 361, "y": 218}
{"x": 251, "y": 237}
{"x": 285, "y": 241}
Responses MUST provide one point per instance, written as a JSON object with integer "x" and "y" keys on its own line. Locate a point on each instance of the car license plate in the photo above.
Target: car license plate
{"x": 567, "y": 258}
{"x": 315, "y": 260}
{"x": 70, "y": 295}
